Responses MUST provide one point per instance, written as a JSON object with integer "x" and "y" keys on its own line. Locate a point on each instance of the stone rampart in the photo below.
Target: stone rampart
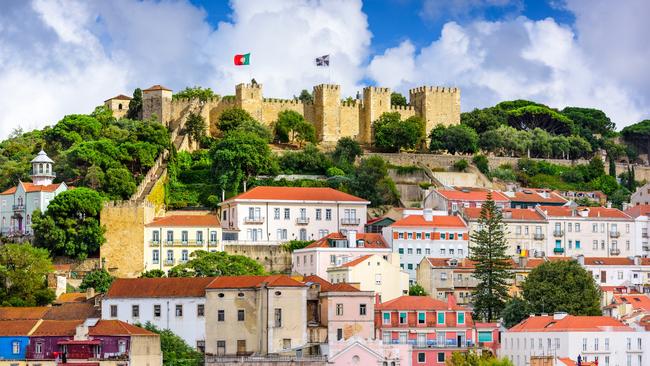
{"x": 274, "y": 258}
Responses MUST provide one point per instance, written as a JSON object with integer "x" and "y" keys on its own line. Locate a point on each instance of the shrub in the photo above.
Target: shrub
{"x": 461, "y": 165}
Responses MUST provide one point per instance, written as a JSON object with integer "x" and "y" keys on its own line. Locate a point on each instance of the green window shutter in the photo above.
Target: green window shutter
{"x": 485, "y": 336}
{"x": 441, "y": 318}
{"x": 461, "y": 318}
{"x": 421, "y": 317}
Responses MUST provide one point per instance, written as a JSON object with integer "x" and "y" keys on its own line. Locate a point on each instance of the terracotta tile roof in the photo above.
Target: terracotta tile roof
{"x": 71, "y": 297}
{"x": 592, "y": 212}
{"x": 615, "y": 289}
{"x": 437, "y": 221}
{"x": 645, "y": 261}
{"x": 186, "y": 221}
{"x": 73, "y": 311}
{"x": 638, "y": 210}
{"x": 159, "y": 287}
{"x": 535, "y": 195}
{"x": 370, "y": 240}
{"x": 569, "y": 323}
{"x": 31, "y": 187}
{"x": 296, "y": 194}
{"x": 569, "y": 362}
{"x": 463, "y": 263}
{"x": 225, "y": 282}
{"x": 156, "y": 87}
{"x": 608, "y": 261}
{"x": 116, "y": 328}
{"x": 416, "y": 303}
{"x": 471, "y": 195}
{"x": 341, "y": 287}
{"x": 316, "y": 279}
{"x": 16, "y": 327}
{"x": 526, "y": 214}
{"x": 26, "y": 313}
{"x": 354, "y": 262}
{"x": 638, "y": 301}
{"x": 57, "y": 328}
{"x": 119, "y": 97}
{"x": 486, "y": 325}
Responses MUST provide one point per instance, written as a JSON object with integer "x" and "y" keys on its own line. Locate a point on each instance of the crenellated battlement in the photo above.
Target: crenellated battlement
{"x": 353, "y": 103}
{"x": 433, "y": 89}
{"x": 248, "y": 86}
{"x": 321, "y": 87}
{"x": 402, "y": 107}
{"x": 283, "y": 101}
{"x": 376, "y": 89}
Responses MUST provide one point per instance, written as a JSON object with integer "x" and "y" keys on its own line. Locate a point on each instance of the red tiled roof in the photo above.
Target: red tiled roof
{"x": 316, "y": 279}
{"x": 592, "y": 212}
{"x": 16, "y": 327}
{"x": 341, "y": 287}
{"x": 638, "y": 301}
{"x": 569, "y": 323}
{"x": 569, "y": 362}
{"x": 471, "y": 195}
{"x": 71, "y": 297}
{"x": 253, "y": 282}
{"x": 645, "y": 261}
{"x": 186, "y": 221}
{"x": 23, "y": 313}
{"x": 119, "y": 97}
{"x": 527, "y": 214}
{"x": 608, "y": 261}
{"x": 116, "y": 328}
{"x": 159, "y": 287}
{"x": 354, "y": 262}
{"x": 486, "y": 325}
{"x": 437, "y": 221}
{"x": 370, "y": 240}
{"x": 296, "y": 194}
{"x": 31, "y": 187}
{"x": 157, "y": 87}
{"x": 638, "y": 210}
{"x": 73, "y": 311}
{"x": 416, "y": 303}
{"x": 463, "y": 263}
{"x": 535, "y": 195}
{"x": 57, "y": 328}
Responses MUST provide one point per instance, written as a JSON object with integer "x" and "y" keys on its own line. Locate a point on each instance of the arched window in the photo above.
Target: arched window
{"x": 119, "y": 106}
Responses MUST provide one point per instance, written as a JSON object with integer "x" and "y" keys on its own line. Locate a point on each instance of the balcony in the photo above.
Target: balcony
{"x": 180, "y": 243}
{"x": 213, "y": 243}
{"x": 614, "y": 251}
{"x": 558, "y": 233}
{"x": 614, "y": 234}
{"x": 169, "y": 262}
{"x": 254, "y": 220}
{"x": 18, "y": 207}
{"x": 538, "y": 236}
{"x": 646, "y": 248}
{"x": 558, "y": 250}
{"x": 302, "y": 221}
{"x": 154, "y": 243}
{"x": 350, "y": 221}
{"x": 433, "y": 343}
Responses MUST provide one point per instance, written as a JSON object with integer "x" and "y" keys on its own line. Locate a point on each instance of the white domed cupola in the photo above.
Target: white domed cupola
{"x": 42, "y": 173}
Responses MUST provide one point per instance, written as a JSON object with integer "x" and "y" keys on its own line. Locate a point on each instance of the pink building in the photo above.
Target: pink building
{"x": 452, "y": 200}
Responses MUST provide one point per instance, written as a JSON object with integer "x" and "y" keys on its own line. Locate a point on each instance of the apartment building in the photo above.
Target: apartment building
{"x": 417, "y": 236}
{"x": 453, "y": 200}
{"x": 588, "y": 231}
{"x": 172, "y": 239}
{"x": 641, "y": 196}
{"x": 592, "y": 338}
{"x": 273, "y": 215}
{"x": 373, "y": 273}
{"x": 525, "y": 229}
{"x": 531, "y": 197}
{"x": 336, "y": 249}
{"x": 641, "y": 215}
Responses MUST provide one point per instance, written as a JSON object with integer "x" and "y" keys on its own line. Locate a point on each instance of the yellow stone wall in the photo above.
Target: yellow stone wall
{"x": 437, "y": 105}
{"x": 376, "y": 101}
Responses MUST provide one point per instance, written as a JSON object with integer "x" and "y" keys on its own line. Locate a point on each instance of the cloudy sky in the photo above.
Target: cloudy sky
{"x": 59, "y": 57}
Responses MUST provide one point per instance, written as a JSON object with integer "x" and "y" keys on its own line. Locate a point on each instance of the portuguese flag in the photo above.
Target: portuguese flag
{"x": 244, "y": 59}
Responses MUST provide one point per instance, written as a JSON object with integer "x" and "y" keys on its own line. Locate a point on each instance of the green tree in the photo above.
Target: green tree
{"x": 94, "y": 177}
{"x": 562, "y": 286}
{"x": 195, "y": 127}
{"x": 23, "y": 271}
{"x": 612, "y": 167}
{"x": 99, "y": 280}
{"x": 437, "y": 138}
{"x": 119, "y": 183}
{"x": 346, "y": 152}
{"x": 417, "y": 290}
{"x": 306, "y": 97}
{"x": 231, "y": 118}
{"x": 70, "y": 226}
{"x": 154, "y": 273}
{"x": 174, "y": 349}
{"x": 536, "y": 116}
{"x": 292, "y": 245}
{"x": 398, "y": 99}
{"x": 590, "y": 123}
{"x": 482, "y": 163}
{"x": 135, "y": 105}
{"x": 638, "y": 135}
{"x": 308, "y": 161}
{"x": 488, "y": 249}
{"x": 515, "y": 310}
{"x": 541, "y": 146}
{"x": 471, "y": 358}
{"x": 393, "y": 134}
{"x": 461, "y": 165}
{"x": 209, "y": 264}
{"x": 203, "y": 94}
{"x": 461, "y": 139}
{"x": 371, "y": 181}
{"x": 483, "y": 120}
{"x": 291, "y": 127}
{"x": 578, "y": 147}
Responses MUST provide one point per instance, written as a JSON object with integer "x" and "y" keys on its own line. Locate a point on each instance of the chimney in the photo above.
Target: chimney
{"x": 81, "y": 332}
{"x": 584, "y": 212}
{"x": 581, "y": 259}
{"x": 451, "y": 300}
{"x": 507, "y": 214}
{"x": 90, "y": 293}
{"x": 377, "y": 299}
{"x": 428, "y": 214}
{"x": 609, "y": 204}
{"x": 352, "y": 239}
{"x": 559, "y": 315}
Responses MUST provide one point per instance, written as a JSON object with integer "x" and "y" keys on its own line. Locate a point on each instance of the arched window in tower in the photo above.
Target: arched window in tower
{"x": 119, "y": 106}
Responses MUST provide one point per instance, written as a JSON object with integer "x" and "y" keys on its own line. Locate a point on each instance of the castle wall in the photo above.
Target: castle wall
{"x": 436, "y": 105}
{"x": 119, "y": 107}
{"x": 158, "y": 103}
{"x": 376, "y": 101}
{"x": 178, "y": 108}
{"x": 271, "y": 108}
{"x": 349, "y": 121}
{"x": 214, "y": 109}
{"x": 327, "y": 106}
{"x": 404, "y": 112}
{"x": 274, "y": 258}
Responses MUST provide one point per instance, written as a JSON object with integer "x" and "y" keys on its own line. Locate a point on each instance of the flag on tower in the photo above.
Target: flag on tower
{"x": 323, "y": 61}
{"x": 244, "y": 59}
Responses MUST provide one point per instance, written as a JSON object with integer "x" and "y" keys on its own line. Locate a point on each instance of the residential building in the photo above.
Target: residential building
{"x": 593, "y": 338}
{"x": 14, "y": 339}
{"x": 417, "y": 236}
{"x": 336, "y": 249}
{"x": 588, "y": 231}
{"x": 597, "y": 197}
{"x": 453, "y": 200}
{"x": 531, "y": 197}
{"x": 641, "y": 196}
{"x": 273, "y": 215}
{"x": 378, "y": 224}
{"x": 17, "y": 204}
{"x": 373, "y": 273}
{"x": 641, "y": 215}
{"x": 255, "y": 315}
{"x": 434, "y": 329}
{"x": 177, "y": 304}
{"x": 171, "y": 240}
{"x": 369, "y": 352}
{"x": 627, "y": 306}
{"x": 525, "y": 229}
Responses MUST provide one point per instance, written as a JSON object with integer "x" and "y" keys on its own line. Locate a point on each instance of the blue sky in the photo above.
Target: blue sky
{"x": 58, "y": 60}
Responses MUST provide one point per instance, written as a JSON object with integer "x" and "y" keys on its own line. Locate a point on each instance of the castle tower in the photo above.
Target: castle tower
{"x": 327, "y": 107}
{"x": 157, "y": 100}
{"x": 42, "y": 173}
{"x": 249, "y": 98}
{"x": 376, "y": 101}
{"x": 436, "y": 105}
{"x": 119, "y": 105}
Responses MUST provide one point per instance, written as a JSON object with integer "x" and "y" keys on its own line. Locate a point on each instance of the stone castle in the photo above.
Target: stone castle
{"x": 332, "y": 117}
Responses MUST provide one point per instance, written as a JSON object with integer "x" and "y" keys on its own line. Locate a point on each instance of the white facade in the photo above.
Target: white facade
{"x": 641, "y": 196}
{"x": 641, "y": 226}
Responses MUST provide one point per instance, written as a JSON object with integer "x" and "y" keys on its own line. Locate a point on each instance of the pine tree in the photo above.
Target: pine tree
{"x": 488, "y": 250}
{"x": 612, "y": 167}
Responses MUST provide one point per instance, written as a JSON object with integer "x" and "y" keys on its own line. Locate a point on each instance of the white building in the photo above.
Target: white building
{"x": 641, "y": 215}
{"x": 171, "y": 240}
{"x": 177, "y": 304}
{"x": 641, "y": 196}
{"x": 17, "y": 204}
{"x": 600, "y": 338}
{"x": 273, "y": 215}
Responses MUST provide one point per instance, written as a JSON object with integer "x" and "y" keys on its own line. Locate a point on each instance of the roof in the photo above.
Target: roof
{"x": 156, "y": 87}
{"x": 436, "y": 221}
{"x": 296, "y": 194}
{"x": 42, "y": 157}
{"x": 592, "y": 212}
{"x": 638, "y": 301}
{"x": 116, "y": 327}
{"x": 234, "y": 282}
{"x": 73, "y": 311}
{"x": 31, "y": 187}
{"x": 71, "y": 297}
{"x": 444, "y": 262}
{"x": 354, "y": 262}
{"x": 159, "y": 287}
{"x": 119, "y": 97}
{"x": 378, "y": 219}
{"x": 471, "y": 195}
{"x": 23, "y": 313}
{"x": 326, "y": 286}
{"x": 370, "y": 240}
{"x": 535, "y": 195}
{"x": 608, "y": 261}
{"x": 569, "y": 323}
{"x": 638, "y": 210}
{"x": 57, "y": 328}
{"x": 16, "y": 327}
{"x": 569, "y": 362}
{"x": 525, "y": 214}
{"x": 416, "y": 303}
{"x": 186, "y": 221}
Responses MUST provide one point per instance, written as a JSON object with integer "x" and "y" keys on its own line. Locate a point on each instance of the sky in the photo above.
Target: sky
{"x": 63, "y": 57}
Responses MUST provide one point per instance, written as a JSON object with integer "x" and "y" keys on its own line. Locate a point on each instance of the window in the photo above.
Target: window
{"x": 427, "y": 236}
{"x": 179, "y": 310}
{"x": 410, "y": 236}
{"x": 278, "y": 318}
{"x": 441, "y": 318}
{"x": 184, "y": 255}
{"x": 121, "y": 346}
{"x": 595, "y": 247}
{"x": 213, "y": 236}
{"x": 386, "y": 337}
{"x": 443, "y": 236}
{"x": 627, "y": 245}
{"x": 200, "y": 310}
{"x": 400, "y": 235}
{"x": 441, "y": 357}
{"x": 155, "y": 256}
{"x": 620, "y": 275}
{"x": 400, "y": 250}
{"x": 409, "y": 266}
{"x": 418, "y": 235}
{"x": 276, "y": 213}
{"x": 378, "y": 279}
{"x": 170, "y": 236}
{"x": 427, "y": 251}
{"x": 184, "y": 236}
{"x": 362, "y": 309}
{"x": 339, "y": 334}
{"x": 319, "y": 214}
{"x": 302, "y": 234}
{"x": 328, "y": 214}
{"x": 577, "y": 227}
{"x": 38, "y": 348}
{"x": 595, "y": 344}
{"x": 113, "y": 311}
{"x": 156, "y": 311}
{"x": 518, "y": 230}
{"x": 221, "y": 348}
{"x": 421, "y": 357}
{"x": 460, "y": 318}
{"x": 402, "y": 318}
{"x": 15, "y": 347}
{"x": 606, "y": 344}
{"x": 557, "y": 343}
{"x": 287, "y": 214}
{"x": 569, "y": 227}
{"x": 386, "y": 318}
{"x": 418, "y": 250}
{"x": 409, "y": 250}
{"x": 135, "y": 311}
{"x": 241, "y": 315}
{"x": 200, "y": 346}
{"x": 442, "y": 251}
{"x": 422, "y": 318}
{"x": 486, "y": 336}
{"x": 332, "y": 259}
{"x": 199, "y": 237}
{"x": 221, "y": 315}
{"x": 639, "y": 343}
{"x": 155, "y": 236}
{"x": 594, "y": 228}
{"x": 577, "y": 244}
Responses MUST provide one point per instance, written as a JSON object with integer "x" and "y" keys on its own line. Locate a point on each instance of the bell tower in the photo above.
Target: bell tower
{"x": 42, "y": 173}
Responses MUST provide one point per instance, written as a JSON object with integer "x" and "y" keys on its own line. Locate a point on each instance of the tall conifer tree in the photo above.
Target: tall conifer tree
{"x": 488, "y": 250}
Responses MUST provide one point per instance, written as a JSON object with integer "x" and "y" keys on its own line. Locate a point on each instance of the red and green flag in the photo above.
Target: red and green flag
{"x": 244, "y": 59}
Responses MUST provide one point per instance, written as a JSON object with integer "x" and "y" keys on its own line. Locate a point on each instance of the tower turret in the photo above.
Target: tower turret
{"x": 157, "y": 100}
{"x": 42, "y": 173}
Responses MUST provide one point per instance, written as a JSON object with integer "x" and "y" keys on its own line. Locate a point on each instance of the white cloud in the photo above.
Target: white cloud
{"x": 460, "y": 9}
